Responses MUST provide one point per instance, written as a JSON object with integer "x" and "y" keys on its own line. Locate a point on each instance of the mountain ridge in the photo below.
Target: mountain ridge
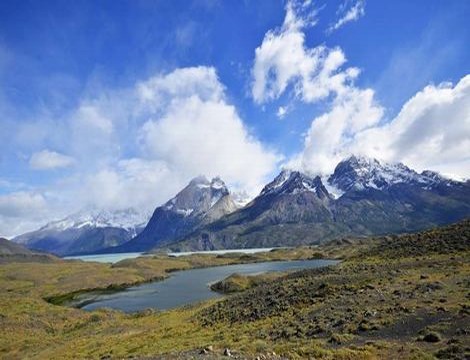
{"x": 375, "y": 199}
{"x": 199, "y": 203}
{"x": 85, "y": 232}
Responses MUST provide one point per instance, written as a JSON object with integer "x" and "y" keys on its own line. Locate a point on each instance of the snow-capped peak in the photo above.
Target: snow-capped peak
{"x": 128, "y": 219}
{"x": 294, "y": 182}
{"x": 198, "y": 196}
{"x": 277, "y": 182}
{"x": 358, "y": 173}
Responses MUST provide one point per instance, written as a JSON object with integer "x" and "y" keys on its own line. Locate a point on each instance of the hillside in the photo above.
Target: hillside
{"x": 8, "y": 247}
{"x": 394, "y": 297}
{"x": 12, "y": 252}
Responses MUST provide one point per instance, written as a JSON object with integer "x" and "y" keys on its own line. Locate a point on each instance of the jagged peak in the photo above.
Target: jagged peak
{"x": 198, "y": 180}
{"x": 294, "y": 182}
{"x": 128, "y": 218}
{"x": 198, "y": 196}
{"x": 360, "y": 172}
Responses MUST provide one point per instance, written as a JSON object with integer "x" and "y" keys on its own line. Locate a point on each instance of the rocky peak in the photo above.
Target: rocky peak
{"x": 128, "y": 219}
{"x": 295, "y": 182}
{"x": 359, "y": 173}
{"x": 198, "y": 196}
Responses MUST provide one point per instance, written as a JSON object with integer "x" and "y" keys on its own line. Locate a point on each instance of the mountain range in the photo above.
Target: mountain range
{"x": 200, "y": 203}
{"x": 86, "y": 232}
{"x": 362, "y": 197}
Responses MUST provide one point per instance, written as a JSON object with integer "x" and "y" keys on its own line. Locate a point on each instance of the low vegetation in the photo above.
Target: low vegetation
{"x": 238, "y": 282}
{"x": 391, "y": 297}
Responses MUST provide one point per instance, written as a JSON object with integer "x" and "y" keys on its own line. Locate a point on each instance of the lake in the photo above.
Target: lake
{"x": 105, "y": 258}
{"x": 113, "y": 258}
{"x": 189, "y": 286}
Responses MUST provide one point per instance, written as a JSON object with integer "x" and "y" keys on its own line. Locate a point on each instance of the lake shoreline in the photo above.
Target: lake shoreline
{"x": 83, "y": 297}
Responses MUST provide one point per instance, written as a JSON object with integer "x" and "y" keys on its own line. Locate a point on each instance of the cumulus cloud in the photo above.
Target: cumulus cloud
{"x": 432, "y": 130}
{"x": 46, "y": 160}
{"x": 200, "y": 81}
{"x": 134, "y": 182}
{"x": 138, "y": 146}
{"x": 283, "y": 60}
{"x": 199, "y": 132}
{"x": 352, "y": 13}
{"x": 19, "y": 211}
{"x": 330, "y": 135}
{"x": 184, "y": 127}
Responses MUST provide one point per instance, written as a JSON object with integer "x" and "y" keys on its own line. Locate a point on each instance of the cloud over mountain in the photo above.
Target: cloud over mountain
{"x": 432, "y": 130}
{"x": 177, "y": 125}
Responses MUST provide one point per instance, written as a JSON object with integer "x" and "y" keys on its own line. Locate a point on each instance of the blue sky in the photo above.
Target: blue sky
{"x": 76, "y": 129}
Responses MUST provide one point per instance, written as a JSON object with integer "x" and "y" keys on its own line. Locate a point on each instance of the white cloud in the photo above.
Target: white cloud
{"x": 432, "y": 131}
{"x": 138, "y": 146}
{"x": 348, "y": 14}
{"x": 160, "y": 90}
{"x": 199, "y": 132}
{"x": 283, "y": 59}
{"x": 330, "y": 135}
{"x": 132, "y": 182}
{"x": 281, "y": 112}
{"x": 183, "y": 126}
{"x": 19, "y": 211}
{"x": 46, "y": 160}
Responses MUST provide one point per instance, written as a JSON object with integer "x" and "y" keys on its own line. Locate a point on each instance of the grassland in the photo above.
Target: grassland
{"x": 391, "y": 297}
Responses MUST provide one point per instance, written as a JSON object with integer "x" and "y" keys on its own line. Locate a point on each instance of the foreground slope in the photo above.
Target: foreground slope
{"x": 400, "y": 297}
{"x": 397, "y": 297}
{"x": 361, "y": 198}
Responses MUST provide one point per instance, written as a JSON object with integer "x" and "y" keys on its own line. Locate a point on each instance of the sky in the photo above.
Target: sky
{"x": 116, "y": 104}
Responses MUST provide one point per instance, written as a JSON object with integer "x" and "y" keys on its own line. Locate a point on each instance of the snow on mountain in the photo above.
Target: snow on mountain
{"x": 199, "y": 196}
{"x": 294, "y": 182}
{"x": 362, "y": 197}
{"x": 359, "y": 173}
{"x": 86, "y": 231}
{"x": 127, "y": 219}
{"x": 201, "y": 202}
{"x": 277, "y": 183}
{"x": 241, "y": 198}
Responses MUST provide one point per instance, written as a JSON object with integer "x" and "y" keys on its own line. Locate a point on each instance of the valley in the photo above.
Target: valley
{"x": 362, "y": 197}
{"x": 250, "y": 180}
{"x": 395, "y": 296}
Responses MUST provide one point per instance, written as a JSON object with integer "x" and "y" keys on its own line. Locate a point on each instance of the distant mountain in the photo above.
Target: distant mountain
{"x": 12, "y": 252}
{"x": 8, "y": 247}
{"x": 361, "y": 173}
{"x": 361, "y": 197}
{"x": 86, "y": 232}
{"x": 199, "y": 203}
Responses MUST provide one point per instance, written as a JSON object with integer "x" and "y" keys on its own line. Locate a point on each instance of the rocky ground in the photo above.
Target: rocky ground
{"x": 401, "y": 297}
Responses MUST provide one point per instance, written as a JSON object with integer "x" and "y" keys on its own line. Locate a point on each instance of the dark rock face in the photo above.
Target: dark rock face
{"x": 374, "y": 199}
{"x": 199, "y": 203}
